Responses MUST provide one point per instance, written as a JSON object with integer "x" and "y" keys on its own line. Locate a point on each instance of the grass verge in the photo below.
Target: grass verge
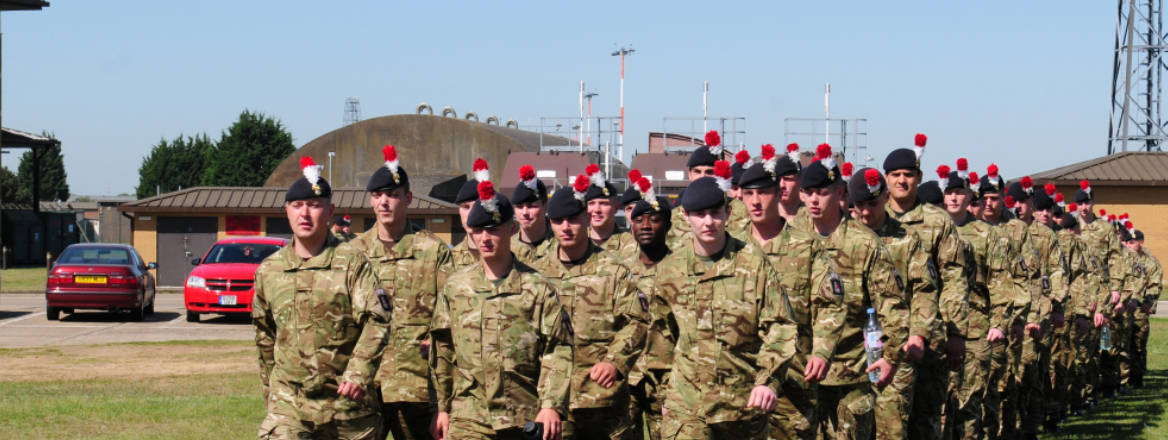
{"x": 24, "y": 279}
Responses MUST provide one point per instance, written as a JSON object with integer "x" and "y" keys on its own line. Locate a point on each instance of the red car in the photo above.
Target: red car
{"x": 100, "y": 276}
{"x": 222, "y": 280}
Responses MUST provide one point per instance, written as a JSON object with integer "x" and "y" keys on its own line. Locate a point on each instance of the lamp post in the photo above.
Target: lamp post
{"x": 622, "y": 52}
{"x": 331, "y": 154}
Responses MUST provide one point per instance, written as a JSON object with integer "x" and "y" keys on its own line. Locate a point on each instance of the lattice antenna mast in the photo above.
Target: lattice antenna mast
{"x": 352, "y": 111}
{"x": 1136, "y": 121}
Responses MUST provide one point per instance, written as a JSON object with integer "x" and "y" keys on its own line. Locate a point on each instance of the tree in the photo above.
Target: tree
{"x": 174, "y": 165}
{"x": 9, "y": 187}
{"x": 248, "y": 152}
{"x": 53, "y": 184}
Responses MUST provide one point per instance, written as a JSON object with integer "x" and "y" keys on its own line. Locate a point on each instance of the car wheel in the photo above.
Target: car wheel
{"x": 137, "y": 314}
{"x": 192, "y": 316}
{"x": 150, "y": 308}
{"x": 53, "y": 313}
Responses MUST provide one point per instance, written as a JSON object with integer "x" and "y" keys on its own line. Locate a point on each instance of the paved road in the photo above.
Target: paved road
{"x": 23, "y": 324}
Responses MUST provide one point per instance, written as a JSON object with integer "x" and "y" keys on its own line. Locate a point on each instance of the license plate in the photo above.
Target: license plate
{"x": 227, "y": 300}
{"x": 89, "y": 279}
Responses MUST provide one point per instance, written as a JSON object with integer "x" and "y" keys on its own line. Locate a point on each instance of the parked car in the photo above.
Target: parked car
{"x": 100, "y": 276}
{"x": 222, "y": 280}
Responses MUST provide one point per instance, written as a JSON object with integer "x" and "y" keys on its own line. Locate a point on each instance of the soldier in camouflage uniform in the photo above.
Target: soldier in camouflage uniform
{"x": 1102, "y": 244}
{"x": 465, "y": 253}
{"x": 412, "y": 265}
{"x": 862, "y": 275}
{"x": 869, "y": 196}
{"x": 733, "y": 324}
{"x": 341, "y": 229}
{"x": 601, "y": 202}
{"x": 1153, "y": 274}
{"x": 1123, "y": 325}
{"x": 818, "y": 313}
{"x": 502, "y": 341}
{"x": 946, "y": 263}
{"x": 610, "y": 316}
{"x": 321, "y": 323}
{"x": 1084, "y": 292}
{"x": 700, "y": 164}
{"x": 1060, "y": 376}
{"x": 530, "y": 200}
{"x": 991, "y": 294}
{"x": 649, "y": 220}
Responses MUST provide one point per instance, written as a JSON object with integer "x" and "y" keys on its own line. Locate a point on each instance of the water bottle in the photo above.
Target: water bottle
{"x": 533, "y": 431}
{"x": 873, "y": 332}
{"x": 1105, "y": 338}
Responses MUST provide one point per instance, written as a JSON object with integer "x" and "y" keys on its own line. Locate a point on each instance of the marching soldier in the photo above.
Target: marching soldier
{"x": 863, "y": 277}
{"x": 601, "y": 201}
{"x": 700, "y": 164}
{"x": 502, "y": 342}
{"x": 818, "y": 313}
{"x": 321, "y": 322}
{"x": 610, "y": 317}
{"x": 946, "y": 263}
{"x": 530, "y": 199}
{"x": 342, "y": 228}
{"x": 1102, "y": 245}
{"x": 732, "y": 322}
{"x": 869, "y": 197}
{"x": 412, "y": 265}
{"x": 466, "y": 253}
{"x": 650, "y": 223}
{"x": 1150, "y": 267}
{"x": 1083, "y": 339}
{"x": 1123, "y": 326}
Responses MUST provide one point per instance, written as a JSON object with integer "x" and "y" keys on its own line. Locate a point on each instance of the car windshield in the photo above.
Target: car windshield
{"x": 240, "y": 253}
{"x": 94, "y": 255}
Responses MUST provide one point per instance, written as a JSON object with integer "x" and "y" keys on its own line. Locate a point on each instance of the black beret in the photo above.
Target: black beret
{"x": 991, "y": 185}
{"x": 340, "y": 220}
{"x": 301, "y": 190}
{"x": 756, "y": 176}
{"x": 785, "y": 165}
{"x": 736, "y": 173}
{"x": 1016, "y": 192}
{"x": 524, "y": 193}
{"x": 955, "y": 181}
{"x": 1042, "y": 201}
{"x": 630, "y": 195}
{"x": 817, "y": 175}
{"x": 701, "y": 156}
{"x": 481, "y": 217}
{"x": 701, "y": 194}
{"x": 384, "y": 180}
{"x": 564, "y": 204}
{"x": 901, "y": 159}
{"x": 643, "y": 206}
{"x": 858, "y": 189}
{"x": 596, "y": 192}
{"x": 467, "y": 192}
{"x": 1138, "y": 235}
{"x": 930, "y": 192}
{"x": 1124, "y": 235}
{"x": 1068, "y": 221}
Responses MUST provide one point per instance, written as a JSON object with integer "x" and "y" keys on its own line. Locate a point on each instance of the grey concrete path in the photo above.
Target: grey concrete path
{"x": 23, "y": 324}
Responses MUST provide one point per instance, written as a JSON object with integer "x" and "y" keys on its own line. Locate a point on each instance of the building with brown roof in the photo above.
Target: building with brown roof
{"x": 175, "y": 227}
{"x": 558, "y": 169}
{"x": 1132, "y": 182}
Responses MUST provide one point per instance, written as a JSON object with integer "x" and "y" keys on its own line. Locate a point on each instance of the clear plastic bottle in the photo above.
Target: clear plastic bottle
{"x": 1105, "y": 338}
{"x": 873, "y": 333}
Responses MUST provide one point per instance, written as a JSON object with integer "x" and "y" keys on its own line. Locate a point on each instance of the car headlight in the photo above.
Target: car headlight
{"x": 194, "y": 281}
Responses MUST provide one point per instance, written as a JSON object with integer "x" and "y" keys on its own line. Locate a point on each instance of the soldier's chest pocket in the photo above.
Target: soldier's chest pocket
{"x": 592, "y": 314}
{"x": 413, "y": 299}
{"x": 737, "y": 316}
{"x": 327, "y": 302}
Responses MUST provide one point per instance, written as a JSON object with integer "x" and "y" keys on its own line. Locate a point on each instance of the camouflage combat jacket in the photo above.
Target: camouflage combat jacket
{"x": 462, "y": 256}
{"x": 1023, "y": 269}
{"x": 341, "y": 236}
{"x": 610, "y": 317}
{"x": 1135, "y": 279}
{"x": 318, "y": 323}
{"x": 1155, "y": 276}
{"x": 1102, "y": 243}
{"x": 530, "y": 253}
{"x": 501, "y": 352}
{"x": 411, "y": 273}
{"x": 863, "y": 275}
{"x": 946, "y": 262}
{"x": 620, "y": 245}
{"x": 920, "y": 288}
{"x": 991, "y": 283}
{"x": 1048, "y": 290}
{"x": 657, "y": 355}
{"x": 733, "y": 326}
{"x": 1082, "y": 287}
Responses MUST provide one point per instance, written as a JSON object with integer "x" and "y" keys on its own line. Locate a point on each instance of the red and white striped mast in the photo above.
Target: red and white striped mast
{"x": 622, "y": 51}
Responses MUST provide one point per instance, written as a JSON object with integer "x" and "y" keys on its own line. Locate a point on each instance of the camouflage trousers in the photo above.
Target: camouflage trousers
{"x": 1010, "y": 391}
{"x": 995, "y": 387}
{"x": 794, "y": 414}
{"x": 611, "y": 422}
{"x": 966, "y": 391}
{"x": 1139, "y": 346}
{"x": 645, "y": 404}
{"x": 1035, "y": 367}
{"x": 468, "y": 429}
{"x": 894, "y": 403}
{"x": 407, "y": 420}
{"x": 1057, "y": 394}
{"x": 928, "y": 396}
{"x": 846, "y": 411}
{"x": 1085, "y": 366}
{"x": 281, "y": 427}
{"x": 679, "y": 426}
{"x": 1116, "y": 365}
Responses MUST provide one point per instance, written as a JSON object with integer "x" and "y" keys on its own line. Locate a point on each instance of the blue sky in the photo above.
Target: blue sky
{"x": 1022, "y": 84}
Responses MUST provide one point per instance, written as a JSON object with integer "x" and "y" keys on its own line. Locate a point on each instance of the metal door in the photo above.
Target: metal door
{"x": 181, "y": 239}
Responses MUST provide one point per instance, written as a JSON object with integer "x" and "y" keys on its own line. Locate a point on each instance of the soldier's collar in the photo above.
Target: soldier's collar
{"x": 320, "y": 261}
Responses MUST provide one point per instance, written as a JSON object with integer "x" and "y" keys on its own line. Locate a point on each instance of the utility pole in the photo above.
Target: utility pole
{"x": 622, "y": 52}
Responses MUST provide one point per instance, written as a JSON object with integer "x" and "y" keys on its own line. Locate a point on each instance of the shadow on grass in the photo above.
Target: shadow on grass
{"x": 1125, "y": 417}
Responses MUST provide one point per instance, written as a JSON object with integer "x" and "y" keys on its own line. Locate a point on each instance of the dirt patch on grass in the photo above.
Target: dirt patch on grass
{"x": 127, "y": 361}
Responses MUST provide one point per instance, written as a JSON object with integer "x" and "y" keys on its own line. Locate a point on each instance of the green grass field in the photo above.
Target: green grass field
{"x": 24, "y": 279}
{"x": 94, "y": 394}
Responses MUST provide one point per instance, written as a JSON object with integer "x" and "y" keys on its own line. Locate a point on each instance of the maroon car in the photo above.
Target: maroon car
{"x": 109, "y": 277}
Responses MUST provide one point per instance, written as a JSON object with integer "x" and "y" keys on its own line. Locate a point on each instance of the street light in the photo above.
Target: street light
{"x": 621, "y": 52}
{"x": 331, "y": 154}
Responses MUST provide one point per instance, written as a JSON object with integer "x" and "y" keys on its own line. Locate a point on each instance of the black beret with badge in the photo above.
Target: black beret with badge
{"x": 530, "y": 189}
{"x": 568, "y": 202}
{"x": 906, "y": 159}
{"x": 391, "y": 176}
{"x": 708, "y": 192}
{"x": 309, "y": 186}
{"x": 469, "y": 191}
{"x": 822, "y": 172}
{"x": 708, "y": 154}
{"x": 491, "y": 209}
{"x": 599, "y": 187}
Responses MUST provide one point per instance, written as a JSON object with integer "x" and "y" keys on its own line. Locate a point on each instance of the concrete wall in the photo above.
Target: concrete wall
{"x": 1147, "y": 207}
